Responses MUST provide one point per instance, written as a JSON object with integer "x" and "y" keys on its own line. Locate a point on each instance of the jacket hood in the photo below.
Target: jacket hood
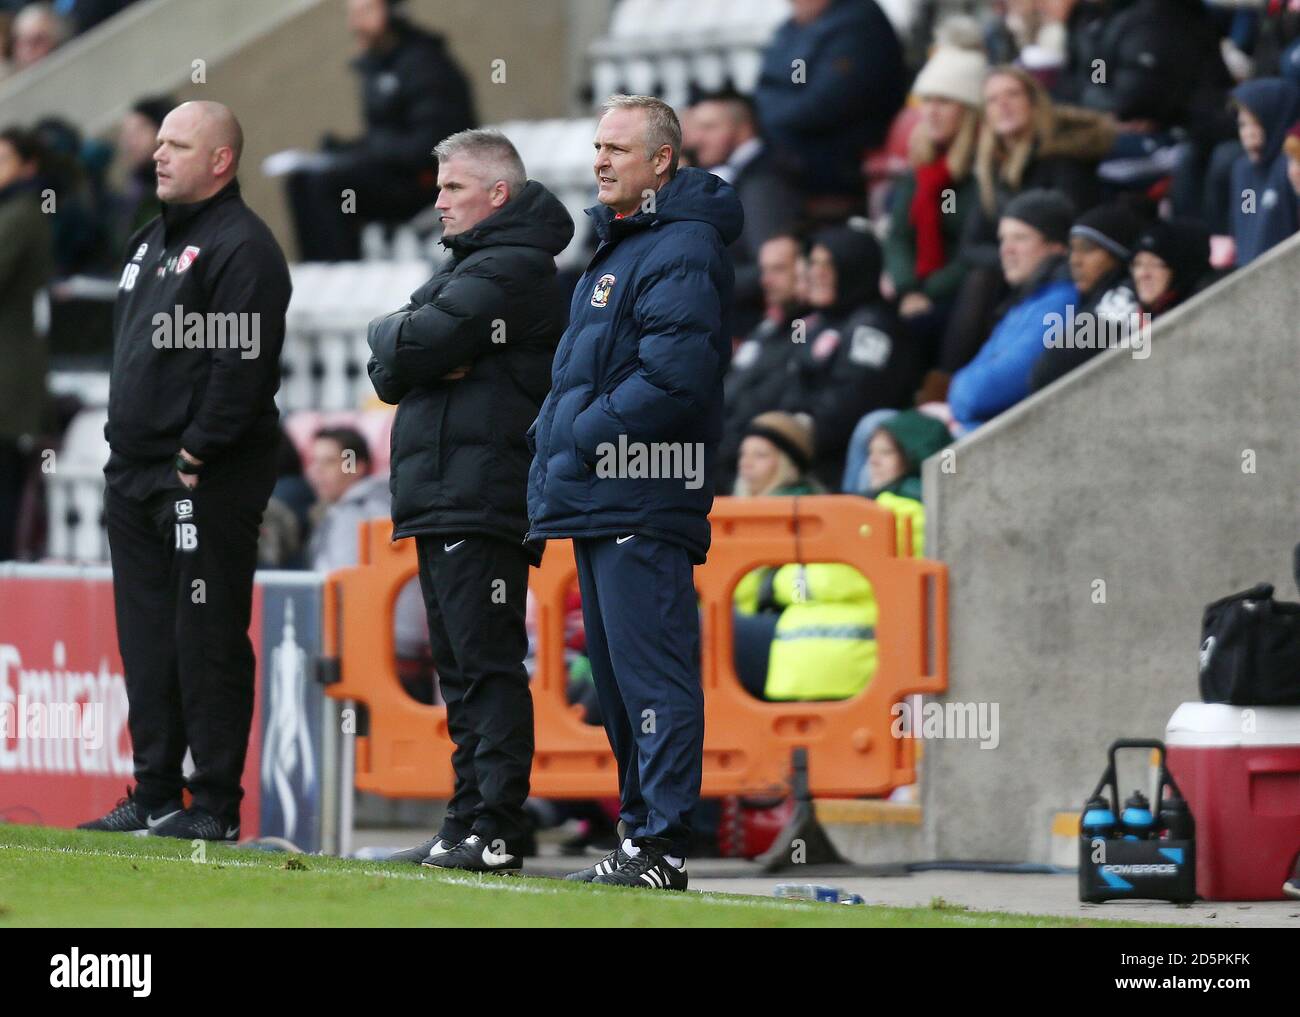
{"x": 858, "y": 259}
{"x": 535, "y": 218}
{"x": 693, "y": 195}
{"x": 1275, "y": 102}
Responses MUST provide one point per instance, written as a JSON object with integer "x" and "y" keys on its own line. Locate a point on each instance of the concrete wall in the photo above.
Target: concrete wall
{"x": 1128, "y": 472}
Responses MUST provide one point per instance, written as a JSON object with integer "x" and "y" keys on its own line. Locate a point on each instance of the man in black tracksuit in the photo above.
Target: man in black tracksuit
{"x": 192, "y": 427}
{"x": 468, "y": 364}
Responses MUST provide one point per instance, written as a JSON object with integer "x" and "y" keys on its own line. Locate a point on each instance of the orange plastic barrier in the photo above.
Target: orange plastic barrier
{"x": 747, "y": 743}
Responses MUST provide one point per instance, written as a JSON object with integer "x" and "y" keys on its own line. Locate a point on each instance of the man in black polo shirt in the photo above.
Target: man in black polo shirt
{"x": 197, "y": 330}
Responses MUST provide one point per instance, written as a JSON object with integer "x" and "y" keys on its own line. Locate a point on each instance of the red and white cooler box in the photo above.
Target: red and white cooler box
{"x": 1239, "y": 769}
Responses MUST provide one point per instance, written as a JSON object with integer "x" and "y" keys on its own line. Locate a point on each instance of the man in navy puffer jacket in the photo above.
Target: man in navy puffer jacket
{"x": 623, "y": 460}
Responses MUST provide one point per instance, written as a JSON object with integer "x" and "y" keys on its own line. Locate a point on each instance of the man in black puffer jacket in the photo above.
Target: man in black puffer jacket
{"x": 468, "y": 364}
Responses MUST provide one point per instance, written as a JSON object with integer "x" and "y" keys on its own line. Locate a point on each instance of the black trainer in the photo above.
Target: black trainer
{"x": 473, "y": 855}
{"x": 197, "y": 824}
{"x": 607, "y": 863}
{"x": 1292, "y": 887}
{"x": 130, "y": 815}
{"x": 432, "y": 848}
{"x": 647, "y": 868}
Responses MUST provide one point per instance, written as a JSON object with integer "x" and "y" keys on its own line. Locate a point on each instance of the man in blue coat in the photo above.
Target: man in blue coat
{"x": 623, "y": 460}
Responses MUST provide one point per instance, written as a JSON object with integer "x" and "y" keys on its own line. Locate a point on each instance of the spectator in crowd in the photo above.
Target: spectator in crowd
{"x": 348, "y": 493}
{"x": 1107, "y": 313}
{"x": 851, "y": 357}
{"x": 1031, "y": 33}
{"x": 726, "y": 143}
{"x": 805, "y": 630}
{"x": 26, "y": 261}
{"x": 891, "y": 475}
{"x": 137, "y": 138}
{"x": 1263, "y": 201}
{"x": 79, "y": 241}
{"x": 832, "y": 80}
{"x": 1171, "y": 262}
{"x": 931, "y": 200}
{"x": 776, "y": 455}
{"x": 413, "y": 96}
{"x": 1291, "y": 146}
{"x": 760, "y": 369}
{"x": 1162, "y": 66}
{"x": 286, "y": 523}
{"x": 37, "y": 31}
{"x": 1026, "y": 143}
{"x": 1033, "y": 237}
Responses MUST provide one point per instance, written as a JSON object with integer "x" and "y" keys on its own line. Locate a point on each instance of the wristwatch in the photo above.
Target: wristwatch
{"x": 183, "y": 465}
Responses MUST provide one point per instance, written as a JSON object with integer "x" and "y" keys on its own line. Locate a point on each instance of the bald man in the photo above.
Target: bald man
{"x": 192, "y": 428}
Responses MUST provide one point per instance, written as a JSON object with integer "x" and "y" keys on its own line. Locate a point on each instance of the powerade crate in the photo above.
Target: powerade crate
{"x": 1137, "y": 852}
{"x": 1240, "y": 769}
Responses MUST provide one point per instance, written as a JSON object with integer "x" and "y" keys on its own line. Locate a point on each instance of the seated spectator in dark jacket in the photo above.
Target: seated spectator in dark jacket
{"x": 413, "y": 94}
{"x": 726, "y": 143}
{"x": 1162, "y": 61}
{"x": 1033, "y": 233}
{"x": 930, "y": 202}
{"x": 1026, "y": 142}
{"x": 1107, "y": 314}
{"x": 26, "y": 261}
{"x": 1263, "y": 202}
{"x": 760, "y": 369}
{"x": 851, "y": 357}
{"x": 832, "y": 80}
{"x": 1171, "y": 262}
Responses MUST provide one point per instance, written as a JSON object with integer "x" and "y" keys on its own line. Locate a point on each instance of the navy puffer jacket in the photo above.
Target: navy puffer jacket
{"x": 642, "y": 361}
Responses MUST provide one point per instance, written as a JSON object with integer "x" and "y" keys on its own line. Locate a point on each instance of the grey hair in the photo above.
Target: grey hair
{"x": 61, "y": 26}
{"x": 495, "y": 157}
{"x": 661, "y": 124}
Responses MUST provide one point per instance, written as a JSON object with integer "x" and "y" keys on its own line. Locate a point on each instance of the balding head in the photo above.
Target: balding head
{"x": 199, "y": 145}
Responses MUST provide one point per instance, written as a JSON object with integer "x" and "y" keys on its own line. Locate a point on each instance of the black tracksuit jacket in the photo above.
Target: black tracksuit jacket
{"x": 212, "y": 257}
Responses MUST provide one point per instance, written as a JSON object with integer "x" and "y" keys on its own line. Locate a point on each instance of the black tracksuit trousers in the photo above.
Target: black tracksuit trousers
{"x": 183, "y": 564}
{"x": 475, "y": 591}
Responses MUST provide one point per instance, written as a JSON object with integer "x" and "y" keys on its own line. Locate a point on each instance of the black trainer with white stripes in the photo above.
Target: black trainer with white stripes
{"x": 647, "y": 868}
{"x": 131, "y": 815}
{"x": 607, "y": 864}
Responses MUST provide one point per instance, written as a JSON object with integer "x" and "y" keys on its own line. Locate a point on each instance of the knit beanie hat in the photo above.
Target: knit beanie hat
{"x": 1046, "y": 211}
{"x": 1183, "y": 245}
{"x": 788, "y": 433}
{"x": 957, "y": 65}
{"x": 1114, "y": 227}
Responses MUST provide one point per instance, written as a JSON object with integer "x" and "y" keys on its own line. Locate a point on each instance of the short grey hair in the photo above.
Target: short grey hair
{"x": 661, "y": 124}
{"x": 493, "y": 153}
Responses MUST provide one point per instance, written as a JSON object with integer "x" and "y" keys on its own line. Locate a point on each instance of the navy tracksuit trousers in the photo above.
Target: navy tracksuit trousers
{"x": 643, "y": 640}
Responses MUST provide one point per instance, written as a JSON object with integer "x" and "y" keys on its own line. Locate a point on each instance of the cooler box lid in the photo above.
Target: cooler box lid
{"x": 1219, "y": 725}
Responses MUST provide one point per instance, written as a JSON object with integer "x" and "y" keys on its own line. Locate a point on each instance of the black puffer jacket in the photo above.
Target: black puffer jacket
{"x": 459, "y": 458}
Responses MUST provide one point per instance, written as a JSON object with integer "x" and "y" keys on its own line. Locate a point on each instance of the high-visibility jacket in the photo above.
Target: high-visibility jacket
{"x": 824, "y": 647}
